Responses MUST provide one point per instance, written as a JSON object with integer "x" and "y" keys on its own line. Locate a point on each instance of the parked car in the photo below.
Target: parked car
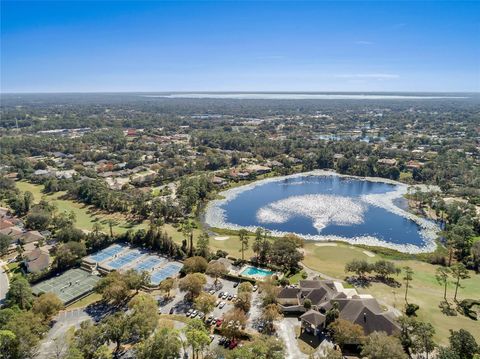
{"x": 201, "y": 315}
{"x": 227, "y": 342}
{"x": 209, "y": 319}
{"x": 212, "y": 337}
{"x": 189, "y": 312}
{"x": 221, "y": 305}
{"x": 194, "y": 314}
{"x": 219, "y": 322}
{"x": 217, "y": 303}
{"x": 172, "y": 310}
{"x": 233, "y": 344}
{"x": 222, "y": 340}
{"x": 255, "y": 287}
{"x": 234, "y": 297}
{"x": 230, "y": 297}
{"x": 225, "y": 295}
{"x": 220, "y": 295}
{"x": 212, "y": 291}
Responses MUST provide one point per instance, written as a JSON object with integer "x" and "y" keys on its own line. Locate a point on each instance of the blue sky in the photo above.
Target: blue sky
{"x": 240, "y": 46}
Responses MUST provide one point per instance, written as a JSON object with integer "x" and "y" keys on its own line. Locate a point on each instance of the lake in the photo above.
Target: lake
{"x": 326, "y": 206}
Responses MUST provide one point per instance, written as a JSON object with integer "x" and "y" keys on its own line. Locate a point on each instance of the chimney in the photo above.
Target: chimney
{"x": 365, "y": 317}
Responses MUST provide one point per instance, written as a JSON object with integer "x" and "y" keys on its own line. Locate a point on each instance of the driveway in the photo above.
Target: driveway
{"x": 286, "y": 332}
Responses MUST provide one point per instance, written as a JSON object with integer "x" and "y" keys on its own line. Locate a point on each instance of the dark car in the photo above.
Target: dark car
{"x": 233, "y": 344}
{"x": 220, "y": 294}
{"x": 235, "y": 285}
{"x": 172, "y": 310}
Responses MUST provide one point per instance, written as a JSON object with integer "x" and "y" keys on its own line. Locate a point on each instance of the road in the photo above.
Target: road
{"x": 4, "y": 282}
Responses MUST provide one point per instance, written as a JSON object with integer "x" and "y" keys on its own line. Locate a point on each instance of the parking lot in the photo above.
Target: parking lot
{"x": 181, "y": 307}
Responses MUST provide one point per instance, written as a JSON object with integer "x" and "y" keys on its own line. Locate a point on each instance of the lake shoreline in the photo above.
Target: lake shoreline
{"x": 214, "y": 216}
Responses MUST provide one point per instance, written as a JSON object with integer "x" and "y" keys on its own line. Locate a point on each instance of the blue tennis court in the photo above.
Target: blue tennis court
{"x": 149, "y": 263}
{"x": 125, "y": 259}
{"x": 106, "y": 253}
{"x": 170, "y": 270}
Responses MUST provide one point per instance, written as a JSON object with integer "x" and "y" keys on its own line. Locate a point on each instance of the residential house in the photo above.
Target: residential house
{"x": 36, "y": 260}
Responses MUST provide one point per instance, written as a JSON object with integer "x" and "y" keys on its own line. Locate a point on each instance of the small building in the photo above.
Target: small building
{"x": 219, "y": 181}
{"x": 36, "y": 260}
{"x": 30, "y": 236}
{"x": 313, "y": 321}
{"x": 387, "y": 161}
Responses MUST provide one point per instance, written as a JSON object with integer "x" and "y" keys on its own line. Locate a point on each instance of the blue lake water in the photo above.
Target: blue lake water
{"x": 376, "y": 221}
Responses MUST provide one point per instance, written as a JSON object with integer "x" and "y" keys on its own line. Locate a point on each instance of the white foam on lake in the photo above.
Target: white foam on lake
{"x": 330, "y": 208}
{"x": 321, "y": 209}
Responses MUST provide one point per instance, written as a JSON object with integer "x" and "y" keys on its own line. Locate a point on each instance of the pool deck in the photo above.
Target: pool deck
{"x": 256, "y": 277}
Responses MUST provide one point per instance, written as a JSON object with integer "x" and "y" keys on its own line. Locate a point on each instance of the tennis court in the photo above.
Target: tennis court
{"x": 170, "y": 270}
{"x": 106, "y": 253}
{"x": 149, "y": 263}
{"x": 69, "y": 286}
{"x": 124, "y": 260}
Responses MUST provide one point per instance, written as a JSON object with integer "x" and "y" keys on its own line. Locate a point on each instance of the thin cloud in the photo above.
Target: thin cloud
{"x": 377, "y": 76}
{"x": 363, "y": 42}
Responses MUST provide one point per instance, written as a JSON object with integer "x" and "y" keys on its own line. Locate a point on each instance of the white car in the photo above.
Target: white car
{"x": 255, "y": 287}
{"x": 194, "y": 314}
{"x": 221, "y": 305}
{"x": 225, "y": 295}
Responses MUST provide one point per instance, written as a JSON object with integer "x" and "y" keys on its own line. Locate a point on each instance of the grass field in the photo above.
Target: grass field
{"x": 424, "y": 289}
{"x": 85, "y": 215}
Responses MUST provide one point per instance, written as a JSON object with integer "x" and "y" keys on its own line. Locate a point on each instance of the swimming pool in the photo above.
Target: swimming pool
{"x": 256, "y": 272}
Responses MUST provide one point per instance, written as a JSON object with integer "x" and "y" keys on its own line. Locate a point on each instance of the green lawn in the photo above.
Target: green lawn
{"x": 84, "y": 302}
{"x": 424, "y": 290}
{"x": 85, "y": 215}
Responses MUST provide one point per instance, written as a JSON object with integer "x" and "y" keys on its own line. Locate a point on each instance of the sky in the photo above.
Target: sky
{"x": 110, "y": 46}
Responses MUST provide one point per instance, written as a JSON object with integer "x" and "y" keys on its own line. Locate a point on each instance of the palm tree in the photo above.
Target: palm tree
{"x": 459, "y": 272}
{"x": 408, "y": 277}
{"x": 188, "y": 234}
{"x": 243, "y": 235}
{"x": 442, "y": 275}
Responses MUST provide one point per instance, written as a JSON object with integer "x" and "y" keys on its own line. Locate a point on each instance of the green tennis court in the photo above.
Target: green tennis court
{"x": 69, "y": 286}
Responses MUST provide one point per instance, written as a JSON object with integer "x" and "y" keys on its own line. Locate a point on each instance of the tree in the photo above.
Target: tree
{"x": 135, "y": 280}
{"x": 205, "y": 302}
{"x": 345, "y": 332}
{"x": 307, "y": 304}
{"x": 216, "y": 269}
{"x": 284, "y": 253}
{"x": 20, "y": 293}
{"x": 164, "y": 344}
{"x": 384, "y": 268}
{"x": 69, "y": 254}
{"x": 88, "y": 338}
{"x": 379, "y": 345}
{"x": 113, "y": 288}
{"x": 27, "y": 329}
{"x": 8, "y": 344}
{"x": 187, "y": 231}
{"x": 244, "y": 301}
{"x": 245, "y": 287}
{"x": 143, "y": 316}
{"x": 332, "y": 314}
{"x": 203, "y": 248}
{"x": 332, "y": 353}
{"x": 459, "y": 272}
{"x": 47, "y": 305}
{"x": 408, "y": 277}
{"x": 193, "y": 284}
{"x": 166, "y": 285}
{"x": 269, "y": 291}
{"x": 261, "y": 347}
{"x": 442, "y": 274}
{"x": 270, "y": 313}
{"x": 197, "y": 336}
{"x": 115, "y": 329}
{"x": 358, "y": 266}
{"x": 195, "y": 264}
{"x": 422, "y": 338}
{"x": 234, "y": 319}
{"x": 4, "y": 243}
{"x": 463, "y": 344}
{"x": 111, "y": 222}
{"x": 243, "y": 237}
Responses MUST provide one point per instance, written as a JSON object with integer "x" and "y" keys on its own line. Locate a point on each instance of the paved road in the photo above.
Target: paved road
{"x": 4, "y": 282}
{"x": 286, "y": 332}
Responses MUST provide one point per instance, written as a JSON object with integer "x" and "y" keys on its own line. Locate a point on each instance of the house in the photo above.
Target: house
{"x": 258, "y": 169}
{"x": 363, "y": 310}
{"x": 313, "y": 321}
{"x": 219, "y": 181}
{"x": 13, "y": 232}
{"x": 36, "y": 260}
{"x": 5, "y": 223}
{"x": 30, "y": 236}
{"x": 387, "y": 161}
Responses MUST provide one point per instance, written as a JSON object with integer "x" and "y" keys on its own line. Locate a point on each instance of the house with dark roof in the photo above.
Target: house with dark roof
{"x": 36, "y": 260}
{"x": 363, "y": 310}
{"x": 30, "y": 236}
